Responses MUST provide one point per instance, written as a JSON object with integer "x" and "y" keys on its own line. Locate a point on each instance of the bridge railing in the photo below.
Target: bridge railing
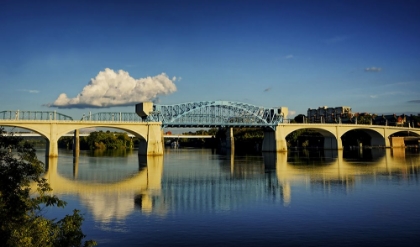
{"x": 404, "y": 125}
{"x": 112, "y": 116}
{"x": 33, "y": 115}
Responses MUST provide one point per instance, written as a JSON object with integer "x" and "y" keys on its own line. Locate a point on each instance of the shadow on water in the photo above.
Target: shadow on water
{"x": 370, "y": 155}
{"x": 311, "y": 157}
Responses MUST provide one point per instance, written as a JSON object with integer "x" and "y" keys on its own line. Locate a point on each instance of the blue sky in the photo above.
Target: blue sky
{"x": 107, "y": 55}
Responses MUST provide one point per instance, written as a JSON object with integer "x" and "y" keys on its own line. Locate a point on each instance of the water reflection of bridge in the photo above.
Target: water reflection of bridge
{"x": 237, "y": 182}
{"x": 111, "y": 200}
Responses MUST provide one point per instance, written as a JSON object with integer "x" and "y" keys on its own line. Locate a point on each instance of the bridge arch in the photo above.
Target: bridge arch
{"x": 377, "y": 137}
{"x": 406, "y": 133}
{"x": 275, "y": 140}
{"x": 136, "y": 133}
{"x": 150, "y": 133}
{"x": 330, "y": 138}
{"x": 24, "y": 126}
{"x": 216, "y": 114}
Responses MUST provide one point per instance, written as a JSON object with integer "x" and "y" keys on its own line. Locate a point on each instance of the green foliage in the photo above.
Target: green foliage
{"x": 248, "y": 133}
{"x": 300, "y": 119}
{"x": 108, "y": 140}
{"x": 197, "y": 142}
{"x": 365, "y": 119}
{"x": 20, "y": 211}
{"x": 65, "y": 142}
{"x": 304, "y": 138}
{"x": 292, "y": 138}
{"x": 212, "y": 131}
{"x": 355, "y": 137}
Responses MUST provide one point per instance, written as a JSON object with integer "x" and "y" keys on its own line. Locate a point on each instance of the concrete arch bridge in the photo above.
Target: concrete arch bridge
{"x": 147, "y": 122}
{"x": 52, "y": 125}
{"x": 380, "y": 135}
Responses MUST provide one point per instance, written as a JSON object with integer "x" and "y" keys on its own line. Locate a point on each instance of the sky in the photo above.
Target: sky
{"x": 76, "y": 57}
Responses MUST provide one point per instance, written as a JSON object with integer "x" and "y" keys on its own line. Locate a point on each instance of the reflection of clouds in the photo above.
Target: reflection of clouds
{"x": 107, "y": 207}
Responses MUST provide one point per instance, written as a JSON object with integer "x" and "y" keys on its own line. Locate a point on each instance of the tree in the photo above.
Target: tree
{"x": 22, "y": 223}
{"x": 300, "y": 118}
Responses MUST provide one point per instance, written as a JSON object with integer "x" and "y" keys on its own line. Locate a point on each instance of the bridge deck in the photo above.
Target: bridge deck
{"x": 130, "y": 135}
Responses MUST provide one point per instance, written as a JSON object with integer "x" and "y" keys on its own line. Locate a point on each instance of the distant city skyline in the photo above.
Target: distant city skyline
{"x": 80, "y": 56}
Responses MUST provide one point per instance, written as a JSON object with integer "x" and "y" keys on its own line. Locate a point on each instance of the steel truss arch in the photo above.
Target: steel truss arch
{"x": 215, "y": 114}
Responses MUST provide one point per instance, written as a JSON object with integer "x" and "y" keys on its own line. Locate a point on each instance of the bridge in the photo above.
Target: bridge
{"x": 175, "y": 136}
{"x": 149, "y": 119}
{"x": 211, "y": 114}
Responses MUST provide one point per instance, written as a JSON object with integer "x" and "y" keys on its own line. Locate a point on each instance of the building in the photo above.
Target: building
{"x": 325, "y": 114}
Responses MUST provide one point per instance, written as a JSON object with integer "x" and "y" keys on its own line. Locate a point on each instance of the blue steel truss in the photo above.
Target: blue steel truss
{"x": 112, "y": 116}
{"x": 33, "y": 115}
{"x": 215, "y": 114}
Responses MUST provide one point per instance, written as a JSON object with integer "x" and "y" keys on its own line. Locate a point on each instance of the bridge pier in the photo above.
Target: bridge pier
{"x": 153, "y": 144}
{"x": 274, "y": 140}
{"x": 52, "y": 141}
{"x": 52, "y": 148}
{"x": 76, "y": 143}
{"x": 226, "y": 140}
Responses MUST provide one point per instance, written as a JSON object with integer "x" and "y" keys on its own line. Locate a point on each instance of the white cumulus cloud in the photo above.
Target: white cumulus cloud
{"x": 110, "y": 88}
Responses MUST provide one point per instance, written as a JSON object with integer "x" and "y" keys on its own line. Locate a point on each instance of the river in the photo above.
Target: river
{"x": 195, "y": 197}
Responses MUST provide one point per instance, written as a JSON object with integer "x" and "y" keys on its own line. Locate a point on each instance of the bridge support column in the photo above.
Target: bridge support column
{"x": 387, "y": 142}
{"x": 153, "y": 144}
{"x": 337, "y": 139}
{"x": 52, "y": 145}
{"x": 397, "y": 142}
{"x": 387, "y": 139}
{"x": 274, "y": 140}
{"x": 226, "y": 140}
{"x": 76, "y": 143}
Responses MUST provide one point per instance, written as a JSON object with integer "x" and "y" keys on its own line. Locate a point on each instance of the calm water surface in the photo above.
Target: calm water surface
{"x": 194, "y": 197}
